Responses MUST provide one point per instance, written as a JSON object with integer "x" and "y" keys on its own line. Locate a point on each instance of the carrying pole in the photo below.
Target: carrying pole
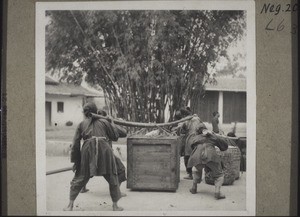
{"x": 138, "y": 124}
{"x": 134, "y": 124}
{"x": 59, "y": 171}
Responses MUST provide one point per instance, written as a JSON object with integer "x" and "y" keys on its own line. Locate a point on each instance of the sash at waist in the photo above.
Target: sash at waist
{"x": 97, "y": 146}
{"x": 96, "y": 137}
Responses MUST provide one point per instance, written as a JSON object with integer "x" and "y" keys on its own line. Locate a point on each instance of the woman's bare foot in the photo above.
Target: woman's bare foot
{"x": 116, "y": 207}
{"x": 69, "y": 207}
{"x": 84, "y": 190}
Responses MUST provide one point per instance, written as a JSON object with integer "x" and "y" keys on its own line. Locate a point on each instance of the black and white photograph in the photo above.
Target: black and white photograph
{"x": 145, "y": 108}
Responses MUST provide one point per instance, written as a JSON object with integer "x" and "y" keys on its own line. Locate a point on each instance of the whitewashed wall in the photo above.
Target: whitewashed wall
{"x": 72, "y": 110}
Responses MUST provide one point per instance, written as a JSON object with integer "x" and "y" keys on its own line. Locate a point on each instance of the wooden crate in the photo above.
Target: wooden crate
{"x": 153, "y": 163}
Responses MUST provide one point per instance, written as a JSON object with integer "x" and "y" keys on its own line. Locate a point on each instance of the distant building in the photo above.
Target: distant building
{"x": 228, "y": 96}
{"x": 64, "y": 102}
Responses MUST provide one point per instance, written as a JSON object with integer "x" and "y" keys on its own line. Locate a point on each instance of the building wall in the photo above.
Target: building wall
{"x": 231, "y": 106}
{"x": 204, "y": 107}
{"x": 241, "y": 128}
{"x": 72, "y": 110}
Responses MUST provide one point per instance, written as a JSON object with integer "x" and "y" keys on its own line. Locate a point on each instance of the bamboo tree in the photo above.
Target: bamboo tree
{"x": 145, "y": 61}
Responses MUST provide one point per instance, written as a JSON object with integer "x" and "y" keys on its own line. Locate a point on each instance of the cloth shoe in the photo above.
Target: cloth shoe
{"x": 193, "y": 190}
{"x": 219, "y": 196}
{"x": 189, "y": 177}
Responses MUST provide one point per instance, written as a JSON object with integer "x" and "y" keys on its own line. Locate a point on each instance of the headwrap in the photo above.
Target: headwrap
{"x": 89, "y": 108}
{"x": 184, "y": 112}
{"x": 101, "y": 112}
{"x": 201, "y": 127}
{"x": 178, "y": 115}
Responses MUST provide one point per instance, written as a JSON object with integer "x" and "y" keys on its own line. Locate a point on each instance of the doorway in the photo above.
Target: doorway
{"x": 48, "y": 114}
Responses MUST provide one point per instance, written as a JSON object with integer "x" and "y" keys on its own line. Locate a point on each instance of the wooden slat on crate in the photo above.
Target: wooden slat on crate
{"x": 153, "y": 163}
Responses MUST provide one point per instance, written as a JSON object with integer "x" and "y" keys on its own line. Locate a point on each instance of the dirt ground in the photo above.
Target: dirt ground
{"x": 98, "y": 199}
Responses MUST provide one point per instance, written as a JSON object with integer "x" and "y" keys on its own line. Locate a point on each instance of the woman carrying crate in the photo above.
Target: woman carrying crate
{"x": 204, "y": 155}
{"x": 187, "y": 130}
{"x": 96, "y": 157}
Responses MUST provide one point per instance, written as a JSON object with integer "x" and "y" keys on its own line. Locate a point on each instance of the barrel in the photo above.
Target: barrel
{"x": 231, "y": 159}
{"x": 153, "y": 163}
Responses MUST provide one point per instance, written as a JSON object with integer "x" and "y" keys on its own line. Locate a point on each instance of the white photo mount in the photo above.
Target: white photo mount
{"x": 248, "y": 6}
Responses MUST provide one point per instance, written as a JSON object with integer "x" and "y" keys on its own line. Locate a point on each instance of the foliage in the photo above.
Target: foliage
{"x": 232, "y": 67}
{"x": 145, "y": 61}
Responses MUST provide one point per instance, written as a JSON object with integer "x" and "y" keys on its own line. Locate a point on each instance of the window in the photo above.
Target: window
{"x": 60, "y": 107}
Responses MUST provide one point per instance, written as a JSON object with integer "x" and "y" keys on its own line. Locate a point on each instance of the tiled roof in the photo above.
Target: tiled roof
{"x": 51, "y": 81}
{"x": 228, "y": 84}
{"x": 57, "y": 88}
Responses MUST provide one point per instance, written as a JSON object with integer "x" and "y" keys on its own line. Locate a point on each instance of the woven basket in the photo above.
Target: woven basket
{"x": 231, "y": 159}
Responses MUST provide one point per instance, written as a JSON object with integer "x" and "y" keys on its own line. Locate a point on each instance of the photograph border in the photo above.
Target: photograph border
{"x": 41, "y": 7}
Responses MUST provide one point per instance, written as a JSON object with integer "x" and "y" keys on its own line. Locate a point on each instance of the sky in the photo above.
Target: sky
{"x": 234, "y": 49}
